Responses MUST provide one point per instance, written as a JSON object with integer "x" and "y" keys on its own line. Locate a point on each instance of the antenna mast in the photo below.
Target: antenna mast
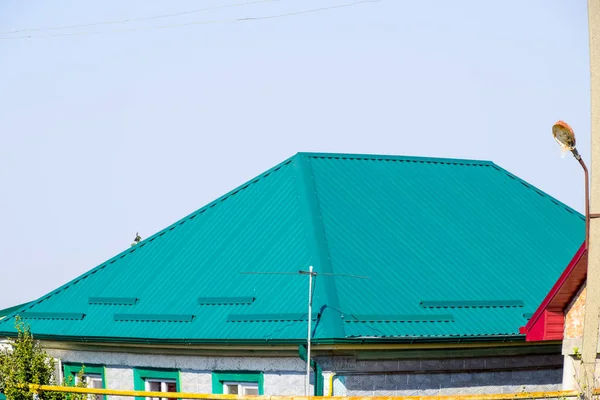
{"x": 310, "y": 274}
{"x": 310, "y": 290}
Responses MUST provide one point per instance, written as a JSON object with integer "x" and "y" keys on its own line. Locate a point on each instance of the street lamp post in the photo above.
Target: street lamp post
{"x": 564, "y": 135}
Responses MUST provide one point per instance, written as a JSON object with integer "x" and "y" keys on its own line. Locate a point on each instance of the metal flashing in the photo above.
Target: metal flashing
{"x": 126, "y": 301}
{"x": 205, "y": 301}
{"x": 267, "y": 317}
{"x": 472, "y": 303}
{"x": 52, "y": 315}
{"x": 400, "y": 318}
{"x": 154, "y": 317}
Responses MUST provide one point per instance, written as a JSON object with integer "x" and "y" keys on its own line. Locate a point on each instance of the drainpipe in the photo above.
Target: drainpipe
{"x": 319, "y": 379}
{"x": 331, "y": 380}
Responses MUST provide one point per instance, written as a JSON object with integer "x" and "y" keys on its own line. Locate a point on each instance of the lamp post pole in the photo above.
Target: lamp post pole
{"x": 587, "y": 196}
{"x": 565, "y": 136}
{"x": 592, "y": 303}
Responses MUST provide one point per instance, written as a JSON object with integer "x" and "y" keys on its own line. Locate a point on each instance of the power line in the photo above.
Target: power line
{"x": 309, "y": 11}
{"x": 136, "y": 19}
{"x": 206, "y": 22}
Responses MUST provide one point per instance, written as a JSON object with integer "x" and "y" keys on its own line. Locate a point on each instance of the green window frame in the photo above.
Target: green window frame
{"x": 141, "y": 374}
{"x": 218, "y": 377}
{"x": 72, "y": 369}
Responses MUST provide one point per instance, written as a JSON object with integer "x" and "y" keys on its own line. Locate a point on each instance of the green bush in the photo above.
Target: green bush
{"x": 24, "y": 362}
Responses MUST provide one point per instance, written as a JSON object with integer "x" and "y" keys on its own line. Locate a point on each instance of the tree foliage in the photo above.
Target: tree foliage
{"x": 24, "y": 362}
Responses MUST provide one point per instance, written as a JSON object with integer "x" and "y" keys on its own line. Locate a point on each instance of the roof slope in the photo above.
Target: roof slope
{"x": 453, "y": 248}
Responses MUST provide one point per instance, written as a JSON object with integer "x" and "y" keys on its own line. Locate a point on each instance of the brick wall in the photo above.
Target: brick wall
{"x": 574, "y": 315}
{"x": 425, "y": 377}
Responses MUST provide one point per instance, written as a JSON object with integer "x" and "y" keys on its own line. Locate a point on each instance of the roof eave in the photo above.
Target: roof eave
{"x": 567, "y": 285}
{"x": 276, "y": 342}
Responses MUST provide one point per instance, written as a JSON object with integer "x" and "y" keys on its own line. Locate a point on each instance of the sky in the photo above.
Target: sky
{"x": 122, "y": 127}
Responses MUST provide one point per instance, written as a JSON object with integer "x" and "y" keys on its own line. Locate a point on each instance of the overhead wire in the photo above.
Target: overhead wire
{"x": 122, "y": 21}
{"x": 243, "y": 19}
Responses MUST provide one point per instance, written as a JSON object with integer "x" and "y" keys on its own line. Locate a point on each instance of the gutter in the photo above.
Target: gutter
{"x": 357, "y": 342}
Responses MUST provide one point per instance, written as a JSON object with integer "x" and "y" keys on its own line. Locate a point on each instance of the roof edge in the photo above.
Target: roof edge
{"x": 548, "y": 300}
{"x": 8, "y": 311}
{"x": 270, "y": 342}
{"x": 540, "y": 192}
{"x": 440, "y": 160}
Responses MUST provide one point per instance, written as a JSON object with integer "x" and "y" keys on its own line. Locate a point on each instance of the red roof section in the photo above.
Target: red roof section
{"x": 547, "y": 323}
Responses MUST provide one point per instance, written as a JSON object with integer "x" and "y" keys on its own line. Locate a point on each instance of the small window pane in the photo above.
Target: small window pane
{"x": 251, "y": 391}
{"x": 231, "y": 388}
{"x": 95, "y": 383}
{"x": 91, "y": 381}
{"x": 171, "y": 387}
{"x": 160, "y": 385}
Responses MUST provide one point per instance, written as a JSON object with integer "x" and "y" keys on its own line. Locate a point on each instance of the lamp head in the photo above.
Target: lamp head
{"x": 564, "y": 135}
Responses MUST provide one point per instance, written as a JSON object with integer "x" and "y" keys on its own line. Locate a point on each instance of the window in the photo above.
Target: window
{"x": 245, "y": 388}
{"x": 238, "y": 382}
{"x": 93, "y": 376}
{"x": 155, "y": 380}
{"x": 160, "y": 385}
{"x": 93, "y": 381}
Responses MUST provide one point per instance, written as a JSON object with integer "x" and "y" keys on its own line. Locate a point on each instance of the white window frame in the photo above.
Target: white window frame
{"x": 242, "y": 386}
{"x": 163, "y": 386}
{"x": 88, "y": 378}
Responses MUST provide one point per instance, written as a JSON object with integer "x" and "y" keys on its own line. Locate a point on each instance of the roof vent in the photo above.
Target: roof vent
{"x": 472, "y": 304}
{"x": 154, "y": 317}
{"x": 400, "y": 318}
{"x": 213, "y": 301}
{"x": 52, "y": 315}
{"x": 267, "y": 317}
{"x": 124, "y": 301}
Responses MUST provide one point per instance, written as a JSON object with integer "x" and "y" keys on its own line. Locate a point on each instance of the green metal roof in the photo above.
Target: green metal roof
{"x": 453, "y": 249}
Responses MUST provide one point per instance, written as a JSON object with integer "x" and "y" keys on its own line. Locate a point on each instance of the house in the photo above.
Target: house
{"x": 426, "y": 269}
{"x": 560, "y": 317}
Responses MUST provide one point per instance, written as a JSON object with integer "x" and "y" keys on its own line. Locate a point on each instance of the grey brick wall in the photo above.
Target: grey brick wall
{"x": 426, "y": 384}
{"x": 477, "y": 375}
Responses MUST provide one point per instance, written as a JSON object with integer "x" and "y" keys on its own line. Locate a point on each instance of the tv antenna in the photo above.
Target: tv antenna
{"x": 311, "y": 275}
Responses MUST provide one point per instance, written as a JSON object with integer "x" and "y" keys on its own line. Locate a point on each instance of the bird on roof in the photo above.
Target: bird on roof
{"x": 137, "y": 239}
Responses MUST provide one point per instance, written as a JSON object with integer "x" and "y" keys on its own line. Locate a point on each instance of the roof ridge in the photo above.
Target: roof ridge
{"x": 130, "y": 250}
{"x": 384, "y": 157}
{"x": 317, "y": 238}
{"x": 528, "y": 185}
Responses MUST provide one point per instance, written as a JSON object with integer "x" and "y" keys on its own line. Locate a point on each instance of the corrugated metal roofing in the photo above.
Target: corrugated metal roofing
{"x": 424, "y": 230}
{"x": 7, "y": 311}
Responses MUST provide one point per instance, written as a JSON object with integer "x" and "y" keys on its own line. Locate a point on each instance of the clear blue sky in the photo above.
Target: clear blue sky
{"x": 105, "y": 135}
